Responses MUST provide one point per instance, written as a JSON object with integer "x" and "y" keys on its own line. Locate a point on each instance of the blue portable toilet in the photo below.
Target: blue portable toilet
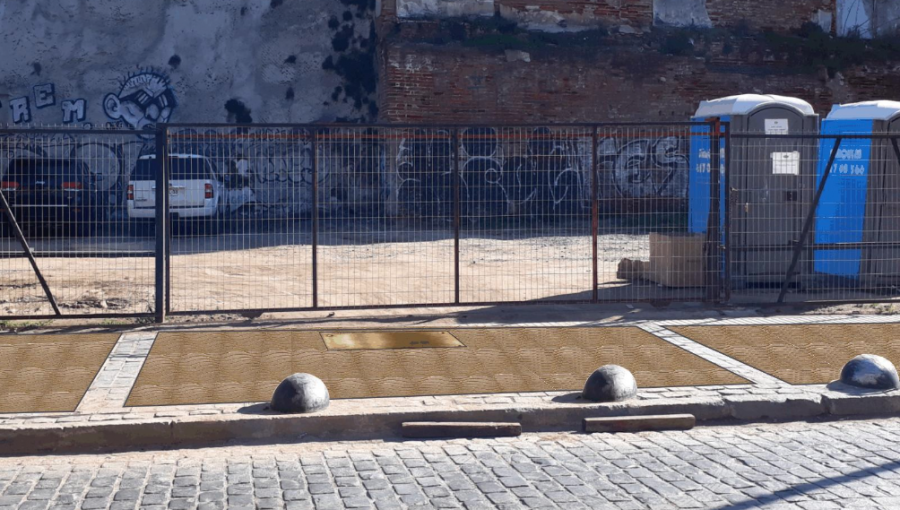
{"x": 771, "y": 179}
{"x": 861, "y": 199}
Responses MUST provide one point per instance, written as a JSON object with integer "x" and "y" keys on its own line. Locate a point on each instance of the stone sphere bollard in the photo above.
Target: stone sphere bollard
{"x": 610, "y": 383}
{"x": 300, "y": 393}
{"x": 870, "y": 371}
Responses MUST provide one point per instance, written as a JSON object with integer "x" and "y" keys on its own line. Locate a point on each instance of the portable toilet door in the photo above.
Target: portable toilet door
{"x": 861, "y": 200}
{"x": 772, "y": 182}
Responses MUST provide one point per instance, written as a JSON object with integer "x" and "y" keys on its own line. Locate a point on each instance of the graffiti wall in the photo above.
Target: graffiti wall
{"x": 535, "y": 173}
{"x": 642, "y": 166}
{"x": 134, "y": 63}
{"x": 131, "y": 64}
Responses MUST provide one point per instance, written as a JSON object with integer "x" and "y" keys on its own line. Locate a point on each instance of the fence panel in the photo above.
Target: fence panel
{"x": 644, "y": 174}
{"x": 241, "y": 207}
{"x": 294, "y": 217}
{"x": 525, "y": 214}
{"x": 814, "y": 218}
{"x": 385, "y": 221}
{"x": 66, "y": 190}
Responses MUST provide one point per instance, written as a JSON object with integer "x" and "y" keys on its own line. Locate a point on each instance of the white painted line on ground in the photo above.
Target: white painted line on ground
{"x": 746, "y": 371}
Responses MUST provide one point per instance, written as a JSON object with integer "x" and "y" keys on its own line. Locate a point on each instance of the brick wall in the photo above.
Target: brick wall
{"x": 634, "y": 12}
{"x": 425, "y": 83}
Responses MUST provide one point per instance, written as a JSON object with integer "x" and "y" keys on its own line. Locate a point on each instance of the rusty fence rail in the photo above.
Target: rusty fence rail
{"x": 194, "y": 219}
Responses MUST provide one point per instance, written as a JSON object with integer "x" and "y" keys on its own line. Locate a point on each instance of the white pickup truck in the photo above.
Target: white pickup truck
{"x": 196, "y": 193}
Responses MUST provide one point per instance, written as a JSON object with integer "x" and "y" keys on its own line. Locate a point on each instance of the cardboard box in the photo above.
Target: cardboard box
{"x": 676, "y": 260}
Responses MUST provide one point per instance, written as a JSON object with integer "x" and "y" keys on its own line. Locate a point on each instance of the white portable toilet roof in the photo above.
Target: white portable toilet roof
{"x": 866, "y": 110}
{"x": 746, "y": 103}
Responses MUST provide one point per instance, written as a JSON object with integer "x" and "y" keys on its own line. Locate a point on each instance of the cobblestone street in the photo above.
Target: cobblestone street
{"x": 840, "y": 464}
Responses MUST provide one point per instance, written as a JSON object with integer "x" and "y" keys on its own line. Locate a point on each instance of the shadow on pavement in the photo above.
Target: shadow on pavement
{"x": 804, "y": 488}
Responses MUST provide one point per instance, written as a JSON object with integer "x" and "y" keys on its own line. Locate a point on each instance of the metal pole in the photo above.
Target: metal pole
{"x": 714, "y": 239}
{"x": 807, "y": 225}
{"x": 315, "y": 220}
{"x": 595, "y": 219}
{"x": 727, "y": 208}
{"x": 162, "y": 213}
{"x": 11, "y": 218}
{"x": 456, "y": 214}
{"x": 896, "y": 149}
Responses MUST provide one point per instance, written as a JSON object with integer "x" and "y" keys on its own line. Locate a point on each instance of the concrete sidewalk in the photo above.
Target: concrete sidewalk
{"x": 101, "y": 422}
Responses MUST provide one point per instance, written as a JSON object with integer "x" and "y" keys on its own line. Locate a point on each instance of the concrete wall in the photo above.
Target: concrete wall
{"x": 868, "y": 18}
{"x": 558, "y": 15}
{"x": 135, "y": 62}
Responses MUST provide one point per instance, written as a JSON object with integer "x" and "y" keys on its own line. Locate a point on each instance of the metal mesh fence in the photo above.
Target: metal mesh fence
{"x": 65, "y": 244}
{"x": 240, "y": 211}
{"x": 814, "y": 217}
{"x": 259, "y": 218}
{"x": 385, "y": 217}
{"x": 645, "y": 249}
{"x": 349, "y": 216}
{"x": 525, "y": 214}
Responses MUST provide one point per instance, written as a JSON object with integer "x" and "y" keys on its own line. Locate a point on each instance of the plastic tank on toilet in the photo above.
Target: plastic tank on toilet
{"x": 860, "y": 203}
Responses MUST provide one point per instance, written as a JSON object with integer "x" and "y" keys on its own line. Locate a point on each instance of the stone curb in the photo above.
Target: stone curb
{"x": 198, "y": 431}
{"x": 458, "y": 429}
{"x": 876, "y": 404}
{"x": 640, "y": 423}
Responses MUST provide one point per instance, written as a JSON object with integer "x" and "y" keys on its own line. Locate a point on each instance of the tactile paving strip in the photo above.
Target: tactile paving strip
{"x": 799, "y": 354}
{"x": 246, "y": 366}
{"x": 49, "y": 373}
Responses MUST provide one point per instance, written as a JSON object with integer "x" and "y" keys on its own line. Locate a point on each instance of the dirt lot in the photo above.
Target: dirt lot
{"x": 233, "y": 271}
{"x": 274, "y": 270}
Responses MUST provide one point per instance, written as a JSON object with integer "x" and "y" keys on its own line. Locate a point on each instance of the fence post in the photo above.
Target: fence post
{"x": 315, "y": 218}
{"x": 714, "y": 238}
{"x": 162, "y": 213}
{"x": 595, "y": 218}
{"x": 456, "y": 214}
{"x": 727, "y": 211}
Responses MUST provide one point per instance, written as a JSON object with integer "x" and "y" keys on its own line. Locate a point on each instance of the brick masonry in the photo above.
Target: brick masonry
{"x": 624, "y": 82}
{"x": 772, "y": 15}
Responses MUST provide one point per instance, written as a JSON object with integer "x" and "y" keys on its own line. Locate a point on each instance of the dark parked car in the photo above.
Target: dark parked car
{"x": 51, "y": 195}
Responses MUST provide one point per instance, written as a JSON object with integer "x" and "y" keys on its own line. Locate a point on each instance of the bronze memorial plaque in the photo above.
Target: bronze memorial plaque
{"x": 374, "y": 340}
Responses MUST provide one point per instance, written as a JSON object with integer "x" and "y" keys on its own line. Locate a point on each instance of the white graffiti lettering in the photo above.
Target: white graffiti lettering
{"x": 74, "y": 110}
{"x": 21, "y": 110}
{"x": 44, "y": 95}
